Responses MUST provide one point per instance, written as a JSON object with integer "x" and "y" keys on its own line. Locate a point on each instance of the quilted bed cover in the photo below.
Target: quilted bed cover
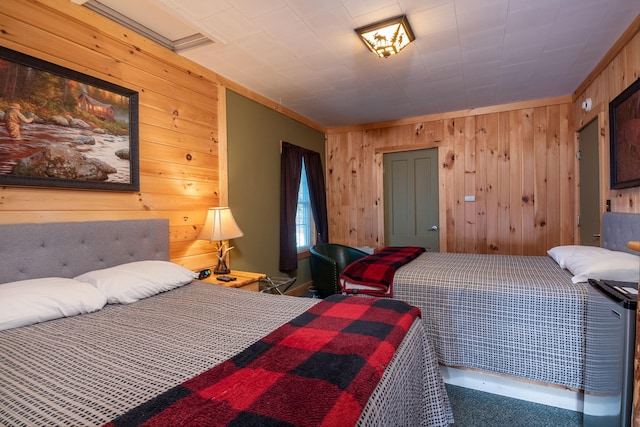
{"x": 88, "y": 369}
{"x": 519, "y": 316}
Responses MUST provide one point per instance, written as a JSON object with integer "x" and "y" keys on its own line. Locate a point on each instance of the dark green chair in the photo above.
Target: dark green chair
{"x": 327, "y": 262}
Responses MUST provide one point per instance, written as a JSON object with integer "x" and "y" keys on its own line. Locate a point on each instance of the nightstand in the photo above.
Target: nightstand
{"x": 244, "y": 280}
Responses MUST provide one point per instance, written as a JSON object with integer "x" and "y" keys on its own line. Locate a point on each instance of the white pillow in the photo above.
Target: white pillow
{"x": 127, "y": 283}
{"x": 32, "y": 301}
{"x": 561, "y": 253}
{"x": 615, "y": 265}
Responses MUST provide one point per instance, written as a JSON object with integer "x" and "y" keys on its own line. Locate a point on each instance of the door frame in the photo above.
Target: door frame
{"x": 379, "y": 176}
{"x": 420, "y": 237}
{"x": 599, "y": 113}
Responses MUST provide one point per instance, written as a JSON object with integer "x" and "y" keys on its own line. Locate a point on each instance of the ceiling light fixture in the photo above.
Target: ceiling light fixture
{"x": 388, "y": 37}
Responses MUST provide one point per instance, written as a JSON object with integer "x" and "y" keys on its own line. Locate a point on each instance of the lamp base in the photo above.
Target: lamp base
{"x": 221, "y": 268}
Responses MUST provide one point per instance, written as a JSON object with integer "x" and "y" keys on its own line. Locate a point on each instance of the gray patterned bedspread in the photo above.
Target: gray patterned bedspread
{"x": 88, "y": 369}
{"x": 514, "y": 315}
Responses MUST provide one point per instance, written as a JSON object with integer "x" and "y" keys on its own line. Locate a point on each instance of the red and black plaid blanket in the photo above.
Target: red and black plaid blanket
{"x": 373, "y": 274}
{"x": 317, "y": 370}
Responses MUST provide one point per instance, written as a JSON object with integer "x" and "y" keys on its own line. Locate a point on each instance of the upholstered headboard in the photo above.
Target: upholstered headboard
{"x": 67, "y": 249}
{"x": 618, "y": 229}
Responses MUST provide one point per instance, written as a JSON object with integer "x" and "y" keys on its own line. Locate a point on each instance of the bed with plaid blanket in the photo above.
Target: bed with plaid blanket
{"x": 373, "y": 274}
{"x": 338, "y": 350}
{"x": 90, "y": 369}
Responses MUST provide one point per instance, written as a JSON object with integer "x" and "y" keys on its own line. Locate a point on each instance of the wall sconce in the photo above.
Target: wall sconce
{"x": 218, "y": 226}
{"x": 388, "y": 37}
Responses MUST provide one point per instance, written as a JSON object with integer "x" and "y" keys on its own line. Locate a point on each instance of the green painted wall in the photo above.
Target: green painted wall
{"x": 254, "y": 133}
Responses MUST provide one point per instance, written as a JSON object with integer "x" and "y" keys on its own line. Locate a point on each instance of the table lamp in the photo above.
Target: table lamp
{"x": 220, "y": 226}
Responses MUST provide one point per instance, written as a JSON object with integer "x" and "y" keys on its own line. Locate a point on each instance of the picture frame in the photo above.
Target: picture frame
{"x": 64, "y": 129}
{"x": 624, "y": 132}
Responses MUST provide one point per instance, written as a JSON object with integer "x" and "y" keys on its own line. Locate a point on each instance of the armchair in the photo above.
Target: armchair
{"x": 327, "y": 262}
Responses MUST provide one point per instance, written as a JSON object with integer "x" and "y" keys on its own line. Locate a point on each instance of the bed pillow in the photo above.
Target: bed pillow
{"x": 561, "y": 253}
{"x": 32, "y": 301}
{"x": 615, "y": 265}
{"x": 127, "y": 283}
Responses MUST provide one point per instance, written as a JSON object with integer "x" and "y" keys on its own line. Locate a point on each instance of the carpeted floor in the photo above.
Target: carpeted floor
{"x": 477, "y": 409}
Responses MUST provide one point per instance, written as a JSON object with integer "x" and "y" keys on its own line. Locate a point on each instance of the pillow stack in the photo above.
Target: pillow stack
{"x": 131, "y": 282}
{"x": 592, "y": 262}
{"x": 32, "y": 301}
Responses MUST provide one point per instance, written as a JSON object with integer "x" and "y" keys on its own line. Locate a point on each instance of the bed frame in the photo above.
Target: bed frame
{"x": 617, "y": 230}
{"x": 68, "y": 249}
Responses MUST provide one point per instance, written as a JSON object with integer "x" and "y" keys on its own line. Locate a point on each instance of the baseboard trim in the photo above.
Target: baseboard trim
{"x": 551, "y": 395}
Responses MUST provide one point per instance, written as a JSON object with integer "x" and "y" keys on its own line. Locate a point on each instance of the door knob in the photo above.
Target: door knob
{"x": 434, "y": 228}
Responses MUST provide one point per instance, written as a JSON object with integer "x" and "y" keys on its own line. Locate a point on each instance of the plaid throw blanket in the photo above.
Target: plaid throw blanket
{"x": 373, "y": 274}
{"x": 317, "y": 370}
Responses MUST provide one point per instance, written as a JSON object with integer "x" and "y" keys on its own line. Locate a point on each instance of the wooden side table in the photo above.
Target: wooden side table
{"x": 245, "y": 280}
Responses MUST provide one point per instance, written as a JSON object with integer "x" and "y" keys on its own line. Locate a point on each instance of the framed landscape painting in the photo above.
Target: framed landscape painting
{"x": 624, "y": 122}
{"x": 64, "y": 129}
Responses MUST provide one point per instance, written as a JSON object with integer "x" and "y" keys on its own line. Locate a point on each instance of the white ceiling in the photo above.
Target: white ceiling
{"x": 305, "y": 55}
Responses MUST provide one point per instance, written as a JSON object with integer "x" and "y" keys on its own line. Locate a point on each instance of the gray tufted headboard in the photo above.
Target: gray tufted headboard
{"x": 618, "y": 229}
{"x": 67, "y": 249}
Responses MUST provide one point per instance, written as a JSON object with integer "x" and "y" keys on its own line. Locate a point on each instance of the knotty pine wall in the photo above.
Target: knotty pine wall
{"x": 517, "y": 160}
{"x": 617, "y": 71}
{"x": 178, "y": 117}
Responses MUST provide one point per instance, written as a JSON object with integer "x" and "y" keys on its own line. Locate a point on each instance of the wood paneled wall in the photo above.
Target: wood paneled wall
{"x": 617, "y": 70}
{"x": 178, "y": 115}
{"x": 518, "y": 161}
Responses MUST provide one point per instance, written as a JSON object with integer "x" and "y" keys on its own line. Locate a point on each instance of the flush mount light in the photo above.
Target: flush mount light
{"x": 388, "y": 37}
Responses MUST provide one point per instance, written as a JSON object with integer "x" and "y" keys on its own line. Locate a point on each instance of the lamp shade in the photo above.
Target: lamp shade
{"x": 220, "y": 225}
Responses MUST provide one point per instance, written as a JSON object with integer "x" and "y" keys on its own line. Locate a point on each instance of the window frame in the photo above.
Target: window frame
{"x": 304, "y": 198}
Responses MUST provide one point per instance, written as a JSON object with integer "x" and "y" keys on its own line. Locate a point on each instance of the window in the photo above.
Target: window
{"x": 305, "y": 229}
{"x": 291, "y": 240}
